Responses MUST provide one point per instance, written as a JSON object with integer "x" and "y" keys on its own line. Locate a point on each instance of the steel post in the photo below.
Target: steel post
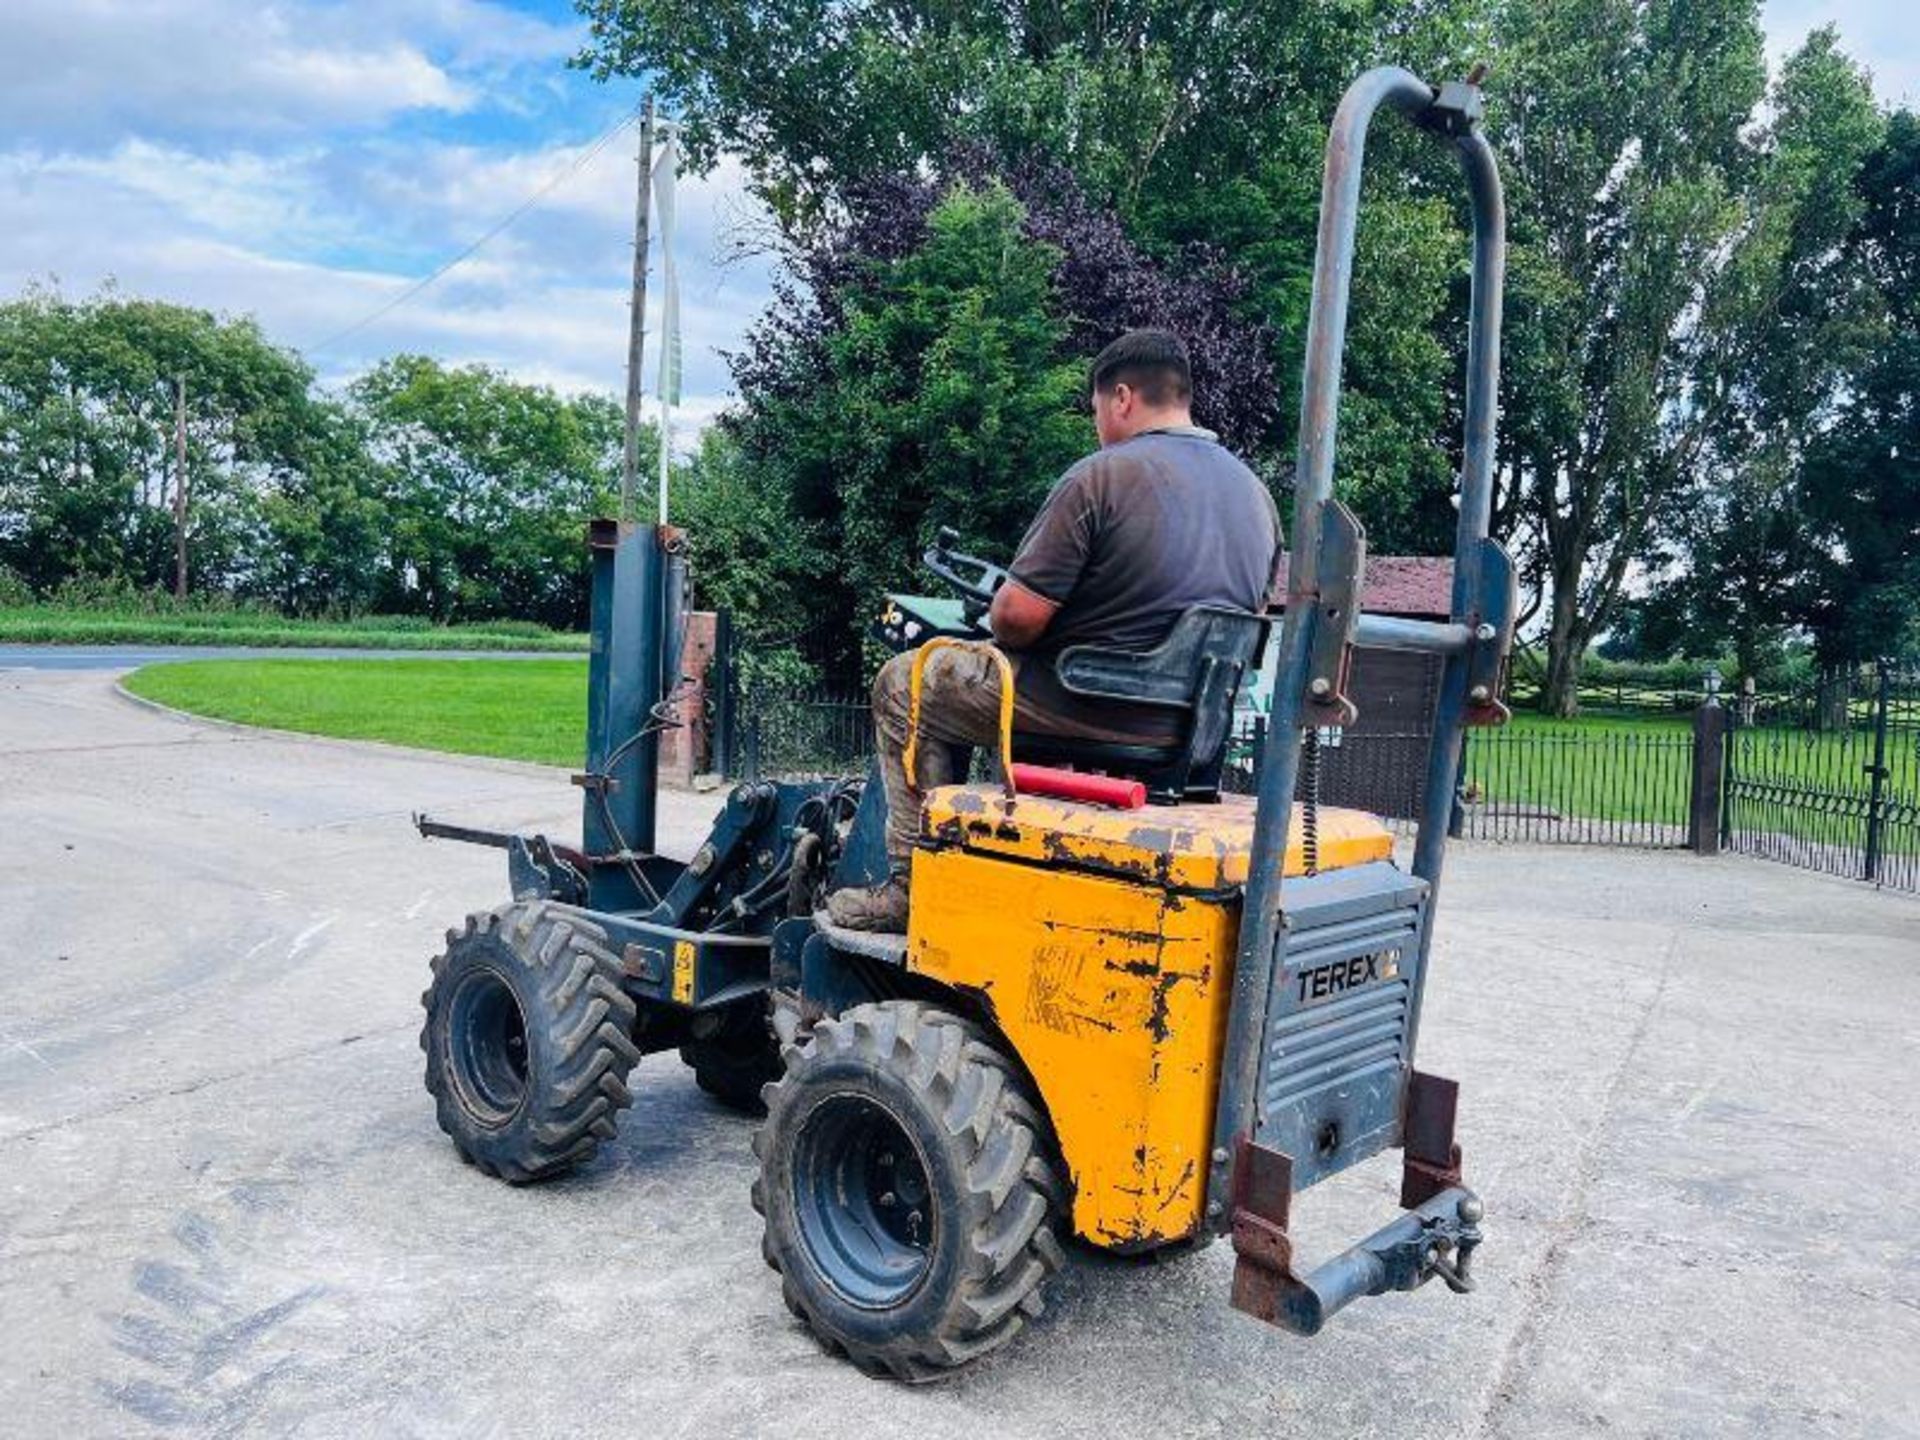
{"x": 625, "y": 668}
{"x": 1449, "y": 111}
{"x": 1877, "y": 772}
{"x": 1476, "y": 512}
{"x": 603, "y": 539}
{"x": 1709, "y": 773}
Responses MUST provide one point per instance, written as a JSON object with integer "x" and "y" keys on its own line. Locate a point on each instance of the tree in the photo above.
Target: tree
{"x": 324, "y": 527}
{"x": 87, "y": 412}
{"x": 1861, "y": 486}
{"x": 1146, "y": 100}
{"x": 918, "y": 390}
{"x": 750, "y": 551}
{"x": 1197, "y": 129}
{"x": 488, "y": 486}
{"x": 1658, "y": 239}
{"x": 1808, "y": 316}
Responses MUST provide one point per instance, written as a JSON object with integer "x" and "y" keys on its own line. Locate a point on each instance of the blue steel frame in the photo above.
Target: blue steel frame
{"x": 626, "y": 672}
{"x": 1472, "y": 645}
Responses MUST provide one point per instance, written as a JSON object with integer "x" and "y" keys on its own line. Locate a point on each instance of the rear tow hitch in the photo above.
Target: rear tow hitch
{"x": 1436, "y": 1237}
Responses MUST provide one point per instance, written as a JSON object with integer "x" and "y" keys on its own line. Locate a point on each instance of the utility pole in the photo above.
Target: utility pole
{"x": 637, "y": 320}
{"x": 180, "y": 487}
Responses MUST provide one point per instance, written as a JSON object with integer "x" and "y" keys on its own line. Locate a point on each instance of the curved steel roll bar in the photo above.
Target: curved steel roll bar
{"x": 1323, "y": 620}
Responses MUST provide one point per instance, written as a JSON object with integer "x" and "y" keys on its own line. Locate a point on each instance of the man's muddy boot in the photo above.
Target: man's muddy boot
{"x": 881, "y": 909}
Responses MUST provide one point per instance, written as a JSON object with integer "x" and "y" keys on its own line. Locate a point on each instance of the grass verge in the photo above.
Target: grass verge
{"x": 511, "y": 709}
{"x": 64, "y": 625}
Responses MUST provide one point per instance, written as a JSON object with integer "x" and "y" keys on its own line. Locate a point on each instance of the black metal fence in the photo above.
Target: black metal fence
{"x": 802, "y": 732}
{"x": 1831, "y": 780}
{"x": 1577, "y": 786}
{"x": 1626, "y": 786}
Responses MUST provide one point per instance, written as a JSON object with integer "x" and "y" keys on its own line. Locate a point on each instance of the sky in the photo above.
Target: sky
{"x": 306, "y": 161}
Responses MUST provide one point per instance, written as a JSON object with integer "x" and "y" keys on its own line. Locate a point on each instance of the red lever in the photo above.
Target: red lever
{"x": 1072, "y": 785}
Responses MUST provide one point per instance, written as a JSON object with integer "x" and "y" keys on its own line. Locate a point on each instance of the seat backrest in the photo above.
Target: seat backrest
{"x": 1203, "y": 640}
{"x": 1196, "y": 670}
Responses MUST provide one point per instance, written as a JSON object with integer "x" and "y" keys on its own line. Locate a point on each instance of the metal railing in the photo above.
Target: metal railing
{"x": 1576, "y": 786}
{"x": 801, "y": 732}
{"x": 1831, "y": 780}
{"x": 1828, "y": 781}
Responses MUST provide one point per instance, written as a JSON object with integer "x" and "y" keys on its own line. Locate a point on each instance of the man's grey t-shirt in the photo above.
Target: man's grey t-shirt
{"x": 1131, "y": 537}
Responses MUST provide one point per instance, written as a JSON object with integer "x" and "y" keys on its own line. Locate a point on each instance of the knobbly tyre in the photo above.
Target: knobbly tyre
{"x": 1136, "y": 1025}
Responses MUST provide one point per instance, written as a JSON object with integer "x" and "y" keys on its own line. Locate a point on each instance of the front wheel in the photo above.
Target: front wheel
{"x": 529, "y": 1040}
{"x": 909, "y": 1199}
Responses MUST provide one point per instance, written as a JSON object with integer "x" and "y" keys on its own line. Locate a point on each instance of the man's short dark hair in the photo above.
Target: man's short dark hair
{"x": 1153, "y": 362}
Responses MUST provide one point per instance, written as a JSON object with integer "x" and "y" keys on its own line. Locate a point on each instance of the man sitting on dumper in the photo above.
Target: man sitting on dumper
{"x": 1158, "y": 520}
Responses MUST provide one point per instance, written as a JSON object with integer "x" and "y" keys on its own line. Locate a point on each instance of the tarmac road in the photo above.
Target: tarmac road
{"x": 1690, "y": 1103}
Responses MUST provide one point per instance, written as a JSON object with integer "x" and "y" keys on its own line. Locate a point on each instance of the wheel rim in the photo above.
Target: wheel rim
{"x": 866, "y": 1213}
{"x": 487, "y": 1039}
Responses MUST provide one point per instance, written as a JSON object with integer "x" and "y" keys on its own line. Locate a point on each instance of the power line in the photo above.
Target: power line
{"x": 552, "y": 183}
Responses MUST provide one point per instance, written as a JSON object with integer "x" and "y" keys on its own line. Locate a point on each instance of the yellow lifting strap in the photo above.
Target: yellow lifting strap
{"x": 979, "y": 647}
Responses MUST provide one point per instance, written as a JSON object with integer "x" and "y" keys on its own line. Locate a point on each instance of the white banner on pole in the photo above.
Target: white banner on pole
{"x": 665, "y": 173}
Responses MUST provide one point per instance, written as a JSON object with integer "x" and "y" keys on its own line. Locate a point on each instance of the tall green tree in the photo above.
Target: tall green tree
{"x": 87, "y": 451}
{"x": 488, "y": 485}
{"x": 1147, "y": 100}
{"x": 1201, "y": 126}
{"x": 323, "y": 528}
{"x": 1861, "y": 484}
{"x": 751, "y": 552}
{"x": 1798, "y": 313}
{"x": 1659, "y": 237}
{"x": 938, "y": 396}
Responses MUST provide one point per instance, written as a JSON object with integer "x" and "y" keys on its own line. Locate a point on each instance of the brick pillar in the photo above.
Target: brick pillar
{"x": 684, "y": 749}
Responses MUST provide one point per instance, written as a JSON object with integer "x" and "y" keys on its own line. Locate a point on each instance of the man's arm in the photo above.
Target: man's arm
{"x": 1047, "y": 565}
{"x": 1019, "y": 617}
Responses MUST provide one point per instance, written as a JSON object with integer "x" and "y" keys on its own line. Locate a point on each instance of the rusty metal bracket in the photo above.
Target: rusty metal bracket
{"x": 1343, "y": 564}
{"x": 1263, "y": 1251}
{"x": 537, "y": 869}
{"x": 1457, "y": 106}
{"x": 1498, "y": 606}
{"x": 1431, "y": 1160}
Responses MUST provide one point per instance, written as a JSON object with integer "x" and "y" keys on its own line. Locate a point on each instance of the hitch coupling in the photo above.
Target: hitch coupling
{"x": 1437, "y": 1238}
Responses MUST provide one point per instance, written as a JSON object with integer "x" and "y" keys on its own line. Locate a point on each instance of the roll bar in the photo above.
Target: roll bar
{"x": 1323, "y": 620}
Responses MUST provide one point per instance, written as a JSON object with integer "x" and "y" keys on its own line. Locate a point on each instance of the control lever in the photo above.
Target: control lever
{"x": 974, "y": 580}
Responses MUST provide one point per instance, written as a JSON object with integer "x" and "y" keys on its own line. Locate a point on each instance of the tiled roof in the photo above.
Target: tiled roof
{"x": 1416, "y": 585}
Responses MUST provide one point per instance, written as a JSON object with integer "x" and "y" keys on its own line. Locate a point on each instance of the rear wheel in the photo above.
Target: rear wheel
{"x": 909, "y": 1199}
{"x": 528, "y": 1040}
{"x": 736, "y": 1062}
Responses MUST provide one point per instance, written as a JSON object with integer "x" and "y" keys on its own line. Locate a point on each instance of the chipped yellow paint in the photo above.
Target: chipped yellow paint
{"x": 1199, "y": 847}
{"x": 1111, "y": 983}
{"x": 683, "y": 971}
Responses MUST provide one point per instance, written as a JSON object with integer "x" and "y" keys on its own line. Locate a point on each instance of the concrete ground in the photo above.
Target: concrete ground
{"x": 1690, "y": 1102}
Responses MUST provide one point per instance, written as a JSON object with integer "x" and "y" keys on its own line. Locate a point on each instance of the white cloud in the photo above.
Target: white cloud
{"x": 74, "y": 72}
{"x": 245, "y": 231}
{"x": 241, "y": 194}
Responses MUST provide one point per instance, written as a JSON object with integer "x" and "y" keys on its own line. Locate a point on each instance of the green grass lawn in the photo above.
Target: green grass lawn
{"x": 515, "y": 709}
{"x": 77, "y": 625}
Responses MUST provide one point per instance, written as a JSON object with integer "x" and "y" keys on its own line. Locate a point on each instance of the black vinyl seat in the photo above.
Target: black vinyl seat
{"x": 1192, "y": 676}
